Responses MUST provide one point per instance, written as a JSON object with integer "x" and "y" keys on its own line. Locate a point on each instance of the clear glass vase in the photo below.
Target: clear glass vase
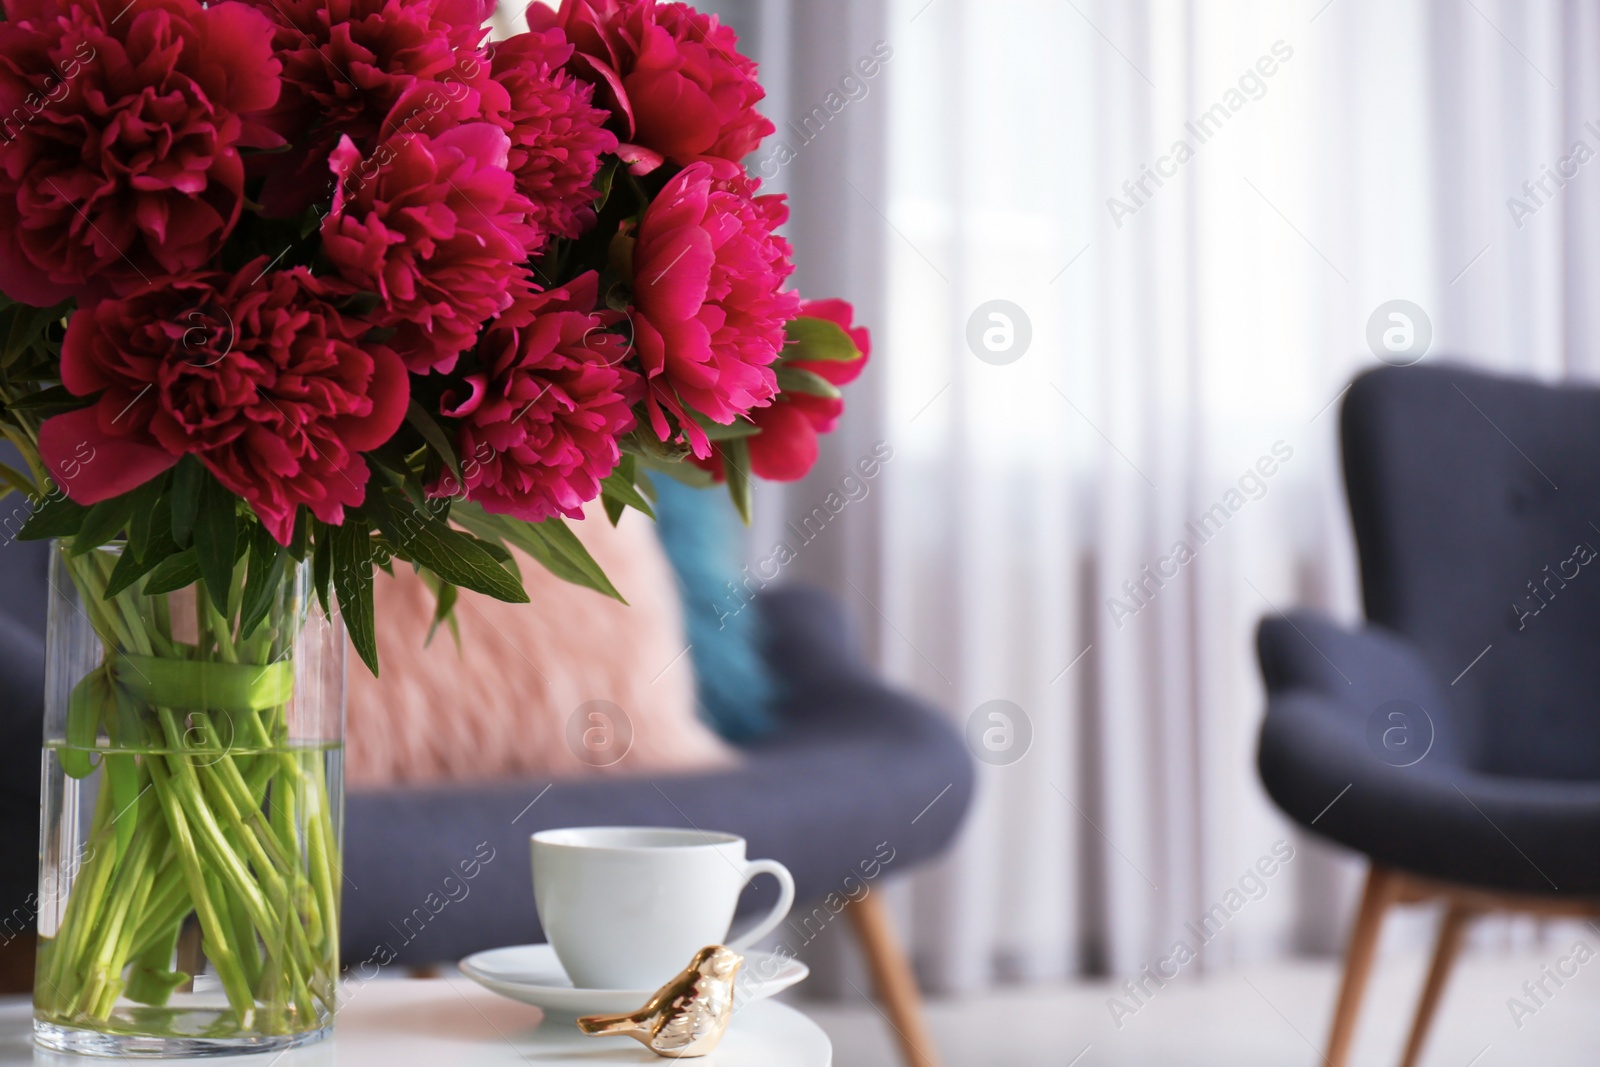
{"x": 192, "y": 814}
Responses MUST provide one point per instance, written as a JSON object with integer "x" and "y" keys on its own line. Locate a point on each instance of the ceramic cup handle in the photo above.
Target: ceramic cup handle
{"x": 779, "y": 910}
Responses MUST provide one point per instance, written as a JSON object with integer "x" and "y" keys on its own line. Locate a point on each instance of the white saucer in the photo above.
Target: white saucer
{"x": 533, "y": 975}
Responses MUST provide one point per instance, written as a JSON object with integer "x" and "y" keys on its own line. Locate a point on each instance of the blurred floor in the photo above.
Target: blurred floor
{"x": 1268, "y": 1015}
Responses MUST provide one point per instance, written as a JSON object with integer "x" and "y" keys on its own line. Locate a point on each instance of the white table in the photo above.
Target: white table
{"x": 450, "y": 1022}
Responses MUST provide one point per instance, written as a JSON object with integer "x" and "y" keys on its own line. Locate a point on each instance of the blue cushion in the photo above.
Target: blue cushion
{"x": 704, "y": 541}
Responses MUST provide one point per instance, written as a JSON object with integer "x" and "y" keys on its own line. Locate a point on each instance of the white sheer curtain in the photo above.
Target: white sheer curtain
{"x": 1177, "y": 338}
{"x": 1342, "y": 155}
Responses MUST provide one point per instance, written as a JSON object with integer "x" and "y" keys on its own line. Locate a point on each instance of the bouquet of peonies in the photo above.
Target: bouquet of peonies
{"x": 310, "y": 286}
{"x": 355, "y": 267}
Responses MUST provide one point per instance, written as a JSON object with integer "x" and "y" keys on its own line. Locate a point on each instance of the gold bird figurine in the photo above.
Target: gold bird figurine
{"x": 687, "y": 1016}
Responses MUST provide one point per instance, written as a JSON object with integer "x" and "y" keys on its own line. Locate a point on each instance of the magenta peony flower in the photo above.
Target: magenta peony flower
{"x": 787, "y": 446}
{"x": 708, "y": 314}
{"x": 435, "y": 227}
{"x": 120, "y": 130}
{"x": 347, "y": 64}
{"x": 540, "y": 423}
{"x": 257, "y": 375}
{"x": 673, "y": 76}
{"x": 557, "y": 136}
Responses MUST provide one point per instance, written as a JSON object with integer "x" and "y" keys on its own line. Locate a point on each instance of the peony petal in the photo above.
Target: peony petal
{"x": 671, "y": 281}
{"x": 614, "y": 97}
{"x": 80, "y": 371}
{"x": 640, "y": 160}
{"x": 476, "y": 383}
{"x": 92, "y": 465}
{"x": 479, "y": 141}
{"x": 786, "y": 448}
{"x": 672, "y": 115}
{"x": 390, "y": 391}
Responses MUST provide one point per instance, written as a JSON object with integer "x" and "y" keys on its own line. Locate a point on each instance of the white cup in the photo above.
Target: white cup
{"x": 627, "y": 907}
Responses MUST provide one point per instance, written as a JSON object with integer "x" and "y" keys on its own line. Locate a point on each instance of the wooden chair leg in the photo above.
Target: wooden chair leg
{"x": 896, "y": 984}
{"x": 17, "y": 962}
{"x": 1382, "y": 886}
{"x": 1451, "y": 929}
{"x": 190, "y": 956}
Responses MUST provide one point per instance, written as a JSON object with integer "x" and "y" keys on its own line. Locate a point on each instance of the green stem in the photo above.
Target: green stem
{"x": 83, "y": 903}
{"x": 239, "y": 829}
{"x": 221, "y": 953}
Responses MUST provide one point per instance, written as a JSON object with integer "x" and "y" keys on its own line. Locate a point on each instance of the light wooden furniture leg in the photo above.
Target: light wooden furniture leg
{"x": 897, "y": 986}
{"x": 17, "y": 963}
{"x": 190, "y": 956}
{"x": 1380, "y": 893}
{"x": 1451, "y": 929}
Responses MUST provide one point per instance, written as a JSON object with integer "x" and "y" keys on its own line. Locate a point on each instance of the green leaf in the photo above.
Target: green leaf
{"x": 550, "y": 542}
{"x": 736, "y": 468}
{"x": 800, "y": 380}
{"x": 641, "y": 480}
{"x": 268, "y": 561}
{"x": 620, "y": 255}
{"x": 15, "y": 479}
{"x": 177, "y": 571}
{"x": 451, "y": 554}
{"x": 618, "y": 491}
{"x": 434, "y": 434}
{"x": 602, "y": 184}
{"x": 732, "y": 432}
{"x": 322, "y": 564}
{"x": 86, "y": 704}
{"x": 444, "y": 611}
{"x": 391, "y": 461}
{"x": 149, "y": 981}
{"x": 187, "y": 477}
{"x": 565, "y": 548}
{"x": 103, "y": 523}
{"x": 300, "y": 540}
{"x": 123, "y": 772}
{"x": 44, "y": 402}
{"x": 217, "y": 541}
{"x": 351, "y": 553}
{"x": 26, "y": 328}
{"x": 361, "y": 304}
{"x": 813, "y": 338}
{"x": 131, "y": 568}
{"x": 502, "y": 554}
{"x": 55, "y": 516}
{"x": 128, "y": 569}
{"x": 148, "y": 515}
{"x": 681, "y": 472}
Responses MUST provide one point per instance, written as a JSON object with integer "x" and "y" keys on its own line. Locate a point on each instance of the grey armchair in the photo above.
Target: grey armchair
{"x": 1453, "y": 739}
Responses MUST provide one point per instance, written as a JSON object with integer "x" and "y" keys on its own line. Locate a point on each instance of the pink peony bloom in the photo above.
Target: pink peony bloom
{"x": 258, "y": 376}
{"x": 557, "y": 135}
{"x": 347, "y": 64}
{"x": 786, "y": 448}
{"x": 120, "y": 130}
{"x": 708, "y": 312}
{"x": 673, "y": 76}
{"x": 434, "y": 226}
{"x": 541, "y": 418}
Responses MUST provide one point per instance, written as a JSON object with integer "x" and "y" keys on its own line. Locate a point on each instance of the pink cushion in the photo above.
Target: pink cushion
{"x": 501, "y": 706}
